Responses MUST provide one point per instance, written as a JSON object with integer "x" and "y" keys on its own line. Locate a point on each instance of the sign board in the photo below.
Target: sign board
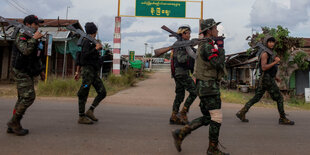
{"x": 131, "y": 56}
{"x": 161, "y": 8}
{"x": 49, "y": 45}
{"x": 307, "y": 94}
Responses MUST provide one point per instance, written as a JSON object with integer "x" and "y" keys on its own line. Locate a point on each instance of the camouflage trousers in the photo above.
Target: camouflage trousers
{"x": 182, "y": 83}
{"x": 267, "y": 83}
{"x": 210, "y": 106}
{"x": 90, "y": 77}
{"x": 25, "y": 91}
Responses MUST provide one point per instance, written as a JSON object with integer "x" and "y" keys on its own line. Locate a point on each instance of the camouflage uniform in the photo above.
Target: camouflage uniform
{"x": 183, "y": 81}
{"x": 209, "y": 69}
{"x": 90, "y": 62}
{"x": 90, "y": 76}
{"x": 266, "y": 83}
{"x": 26, "y": 65}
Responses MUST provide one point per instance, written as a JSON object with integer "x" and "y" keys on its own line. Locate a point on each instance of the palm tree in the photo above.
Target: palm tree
{"x": 106, "y": 46}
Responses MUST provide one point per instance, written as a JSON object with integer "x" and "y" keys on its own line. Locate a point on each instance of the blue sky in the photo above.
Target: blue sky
{"x": 238, "y": 17}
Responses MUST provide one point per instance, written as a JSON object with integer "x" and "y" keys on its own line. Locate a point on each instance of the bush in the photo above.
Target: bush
{"x": 70, "y": 87}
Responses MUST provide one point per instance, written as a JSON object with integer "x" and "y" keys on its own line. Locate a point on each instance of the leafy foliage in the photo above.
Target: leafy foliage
{"x": 300, "y": 60}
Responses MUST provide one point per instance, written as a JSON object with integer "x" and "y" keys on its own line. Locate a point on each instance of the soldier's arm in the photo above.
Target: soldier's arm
{"x": 191, "y": 52}
{"x": 24, "y": 45}
{"x": 264, "y": 64}
{"x": 214, "y": 56}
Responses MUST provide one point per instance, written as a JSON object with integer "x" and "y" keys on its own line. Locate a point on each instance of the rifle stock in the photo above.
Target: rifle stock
{"x": 160, "y": 51}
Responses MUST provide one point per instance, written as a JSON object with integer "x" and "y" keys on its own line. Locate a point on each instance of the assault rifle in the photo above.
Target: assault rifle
{"x": 178, "y": 44}
{"x": 82, "y": 35}
{"x": 184, "y": 43}
{"x": 264, "y": 48}
{"x": 19, "y": 27}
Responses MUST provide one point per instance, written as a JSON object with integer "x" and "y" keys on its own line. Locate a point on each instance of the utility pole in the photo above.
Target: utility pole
{"x": 145, "y": 49}
{"x": 67, "y": 12}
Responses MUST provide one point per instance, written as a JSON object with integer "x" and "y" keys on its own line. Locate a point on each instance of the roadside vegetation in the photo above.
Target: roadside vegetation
{"x": 234, "y": 96}
{"x": 58, "y": 87}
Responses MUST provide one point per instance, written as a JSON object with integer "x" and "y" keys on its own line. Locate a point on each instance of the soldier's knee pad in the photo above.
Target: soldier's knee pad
{"x": 216, "y": 115}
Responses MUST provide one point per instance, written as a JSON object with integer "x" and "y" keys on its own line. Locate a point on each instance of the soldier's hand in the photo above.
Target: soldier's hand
{"x": 277, "y": 59}
{"x": 77, "y": 76}
{"x": 37, "y": 35}
{"x": 42, "y": 75}
{"x": 98, "y": 46}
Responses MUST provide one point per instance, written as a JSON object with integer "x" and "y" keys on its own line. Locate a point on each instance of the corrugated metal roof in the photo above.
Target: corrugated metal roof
{"x": 57, "y": 35}
{"x": 53, "y": 22}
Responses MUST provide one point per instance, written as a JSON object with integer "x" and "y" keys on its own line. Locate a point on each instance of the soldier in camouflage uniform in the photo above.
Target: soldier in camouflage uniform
{"x": 209, "y": 69}
{"x": 90, "y": 64}
{"x": 26, "y": 66}
{"x": 268, "y": 70}
{"x": 182, "y": 63}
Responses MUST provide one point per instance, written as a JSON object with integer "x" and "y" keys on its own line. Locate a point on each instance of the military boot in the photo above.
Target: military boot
{"x": 241, "y": 114}
{"x": 214, "y": 150}
{"x": 84, "y": 120}
{"x": 175, "y": 119}
{"x": 90, "y": 114}
{"x": 183, "y": 116}
{"x": 15, "y": 127}
{"x": 179, "y": 135}
{"x": 285, "y": 121}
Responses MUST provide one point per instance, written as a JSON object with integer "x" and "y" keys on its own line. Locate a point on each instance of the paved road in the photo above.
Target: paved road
{"x": 135, "y": 121}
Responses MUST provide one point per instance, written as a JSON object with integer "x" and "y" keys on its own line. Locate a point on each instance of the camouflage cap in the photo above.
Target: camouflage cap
{"x": 207, "y": 24}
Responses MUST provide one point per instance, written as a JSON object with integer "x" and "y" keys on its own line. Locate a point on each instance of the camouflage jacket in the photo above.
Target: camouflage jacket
{"x": 26, "y": 56}
{"x": 210, "y": 62}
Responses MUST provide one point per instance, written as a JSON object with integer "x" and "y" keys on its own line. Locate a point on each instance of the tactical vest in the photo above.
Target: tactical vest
{"x": 203, "y": 68}
{"x": 29, "y": 64}
{"x": 273, "y": 70}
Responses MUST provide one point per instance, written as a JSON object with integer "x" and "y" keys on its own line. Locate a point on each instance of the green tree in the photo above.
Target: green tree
{"x": 106, "y": 46}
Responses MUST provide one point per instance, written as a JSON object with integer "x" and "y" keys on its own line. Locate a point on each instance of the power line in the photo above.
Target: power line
{"x": 22, "y": 6}
{"x": 14, "y": 6}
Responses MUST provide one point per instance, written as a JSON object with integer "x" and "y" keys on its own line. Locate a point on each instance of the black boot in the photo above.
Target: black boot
{"x": 285, "y": 121}
{"x": 179, "y": 135}
{"x": 241, "y": 114}
{"x": 14, "y": 126}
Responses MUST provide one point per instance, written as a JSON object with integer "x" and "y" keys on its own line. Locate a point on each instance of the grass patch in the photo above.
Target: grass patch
{"x": 69, "y": 87}
{"x": 233, "y": 96}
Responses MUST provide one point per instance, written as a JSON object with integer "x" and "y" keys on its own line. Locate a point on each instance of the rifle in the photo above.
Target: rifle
{"x": 163, "y": 50}
{"x": 82, "y": 35}
{"x": 178, "y": 44}
{"x": 172, "y": 33}
{"x": 264, "y": 48}
{"x": 19, "y": 27}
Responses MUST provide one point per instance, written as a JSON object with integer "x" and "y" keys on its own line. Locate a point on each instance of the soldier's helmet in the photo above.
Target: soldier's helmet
{"x": 207, "y": 24}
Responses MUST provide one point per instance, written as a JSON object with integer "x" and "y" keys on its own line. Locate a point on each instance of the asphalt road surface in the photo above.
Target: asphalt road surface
{"x": 135, "y": 121}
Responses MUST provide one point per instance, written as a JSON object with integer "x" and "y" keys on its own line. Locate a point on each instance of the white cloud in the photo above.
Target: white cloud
{"x": 273, "y": 13}
{"x": 237, "y": 17}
